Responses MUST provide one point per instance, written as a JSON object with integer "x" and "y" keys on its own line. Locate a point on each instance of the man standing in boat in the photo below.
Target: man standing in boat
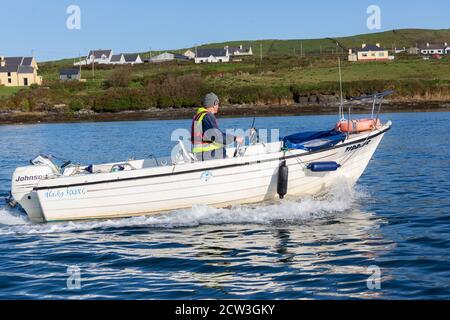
{"x": 208, "y": 141}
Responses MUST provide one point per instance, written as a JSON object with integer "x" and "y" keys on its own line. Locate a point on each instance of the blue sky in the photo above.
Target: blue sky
{"x": 137, "y": 25}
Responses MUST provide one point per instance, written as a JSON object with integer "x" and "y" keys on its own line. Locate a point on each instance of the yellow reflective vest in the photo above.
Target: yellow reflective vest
{"x": 198, "y": 144}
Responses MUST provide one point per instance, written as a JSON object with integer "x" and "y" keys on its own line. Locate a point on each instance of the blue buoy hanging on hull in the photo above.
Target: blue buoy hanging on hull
{"x": 323, "y": 166}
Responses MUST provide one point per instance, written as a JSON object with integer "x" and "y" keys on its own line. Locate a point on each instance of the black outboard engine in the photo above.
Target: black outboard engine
{"x": 283, "y": 175}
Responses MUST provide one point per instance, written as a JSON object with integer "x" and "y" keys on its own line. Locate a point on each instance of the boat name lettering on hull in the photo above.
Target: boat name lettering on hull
{"x": 66, "y": 193}
{"x": 357, "y": 146}
{"x": 30, "y": 178}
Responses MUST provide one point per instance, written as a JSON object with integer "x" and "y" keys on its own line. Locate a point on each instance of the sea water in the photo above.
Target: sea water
{"x": 387, "y": 237}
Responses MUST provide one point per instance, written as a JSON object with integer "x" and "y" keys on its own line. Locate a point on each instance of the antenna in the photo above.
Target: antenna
{"x": 341, "y": 105}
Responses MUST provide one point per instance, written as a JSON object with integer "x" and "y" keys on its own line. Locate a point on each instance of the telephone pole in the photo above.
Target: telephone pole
{"x": 93, "y": 67}
{"x": 79, "y": 61}
{"x": 260, "y": 52}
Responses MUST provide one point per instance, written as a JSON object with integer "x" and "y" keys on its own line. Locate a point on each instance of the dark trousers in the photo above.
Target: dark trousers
{"x": 214, "y": 154}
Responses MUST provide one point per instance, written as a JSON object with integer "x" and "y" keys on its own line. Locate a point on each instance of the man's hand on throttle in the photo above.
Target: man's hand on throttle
{"x": 240, "y": 139}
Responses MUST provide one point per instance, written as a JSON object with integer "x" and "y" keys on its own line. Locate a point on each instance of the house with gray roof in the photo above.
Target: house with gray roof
{"x": 107, "y": 57}
{"x": 100, "y": 56}
{"x": 212, "y": 55}
{"x": 132, "y": 58}
{"x": 432, "y": 49}
{"x": 369, "y": 52}
{"x": 18, "y": 71}
{"x": 97, "y": 56}
{"x": 117, "y": 59}
{"x": 239, "y": 51}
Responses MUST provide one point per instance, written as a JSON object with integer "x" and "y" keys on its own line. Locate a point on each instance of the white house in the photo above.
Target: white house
{"x": 212, "y": 55}
{"x": 239, "y": 51}
{"x": 132, "y": 58}
{"x": 99, "y": 56}
{"x": 117, "y": 59}
{"x": 96, "y": 56}
{"x": 431, "y": 49}
{"x": 369, "y": 52}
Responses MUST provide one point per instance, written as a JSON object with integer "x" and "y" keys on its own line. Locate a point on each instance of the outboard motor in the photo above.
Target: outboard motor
{"x": 24, "y": 179}
{"x": 283, "y": 175}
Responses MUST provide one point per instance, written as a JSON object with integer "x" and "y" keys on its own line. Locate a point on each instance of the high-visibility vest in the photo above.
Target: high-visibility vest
{"x": 198, "y": 143}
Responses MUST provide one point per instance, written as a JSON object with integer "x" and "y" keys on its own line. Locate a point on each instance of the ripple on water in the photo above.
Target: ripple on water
{"x": 311, "y": 248}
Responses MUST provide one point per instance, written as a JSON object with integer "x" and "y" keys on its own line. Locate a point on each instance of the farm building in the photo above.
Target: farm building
{"x": 168, "y": 56}
{"x": 72, "y": 74}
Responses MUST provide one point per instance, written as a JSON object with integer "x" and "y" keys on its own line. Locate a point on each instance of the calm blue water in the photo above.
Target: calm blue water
{"x": 397, "y": 219}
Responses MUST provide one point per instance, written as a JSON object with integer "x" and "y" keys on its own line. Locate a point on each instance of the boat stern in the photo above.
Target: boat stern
{"x": 24, "y": 179}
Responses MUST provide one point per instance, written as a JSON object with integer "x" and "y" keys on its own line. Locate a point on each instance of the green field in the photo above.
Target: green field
{"x": 8, "y": 91}
{"x": 278, "y": 78}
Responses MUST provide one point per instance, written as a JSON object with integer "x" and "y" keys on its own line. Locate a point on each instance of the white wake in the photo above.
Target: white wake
{"x": 338, "y": 199}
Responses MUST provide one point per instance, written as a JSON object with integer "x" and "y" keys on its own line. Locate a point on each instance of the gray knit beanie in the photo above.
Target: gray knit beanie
{"x": 210, "y": 100}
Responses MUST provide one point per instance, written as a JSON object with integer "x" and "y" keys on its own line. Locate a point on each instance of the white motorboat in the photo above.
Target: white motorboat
{"x": 299, "y": 165}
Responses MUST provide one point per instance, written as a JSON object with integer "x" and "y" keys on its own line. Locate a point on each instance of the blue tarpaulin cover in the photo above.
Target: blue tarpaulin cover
{"x": 312, "y": 141}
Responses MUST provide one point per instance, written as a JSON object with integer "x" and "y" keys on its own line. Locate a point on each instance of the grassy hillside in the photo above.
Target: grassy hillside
{"x": 389, "y": 39}
{"x": 280, "y": 78}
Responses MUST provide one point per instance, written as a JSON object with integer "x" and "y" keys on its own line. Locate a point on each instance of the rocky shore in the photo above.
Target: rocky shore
{"x": 309, "y": 107}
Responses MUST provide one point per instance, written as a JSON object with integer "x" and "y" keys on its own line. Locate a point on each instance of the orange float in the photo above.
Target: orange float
{"x": 358, "y": 125}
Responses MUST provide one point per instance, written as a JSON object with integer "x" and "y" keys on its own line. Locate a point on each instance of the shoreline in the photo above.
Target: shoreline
{"x": 225, "y": 112}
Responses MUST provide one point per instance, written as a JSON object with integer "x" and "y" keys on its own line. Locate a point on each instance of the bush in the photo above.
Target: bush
{"x": 176, "y": 91}
{"x": 259, "y": 95}
{"x": 121, "y": 99}
{"x": 119, "y": 77}
{"x": 75, "y": 105}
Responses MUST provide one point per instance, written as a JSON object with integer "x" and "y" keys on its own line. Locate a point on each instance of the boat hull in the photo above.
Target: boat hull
{"x": 215, "y": 183}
